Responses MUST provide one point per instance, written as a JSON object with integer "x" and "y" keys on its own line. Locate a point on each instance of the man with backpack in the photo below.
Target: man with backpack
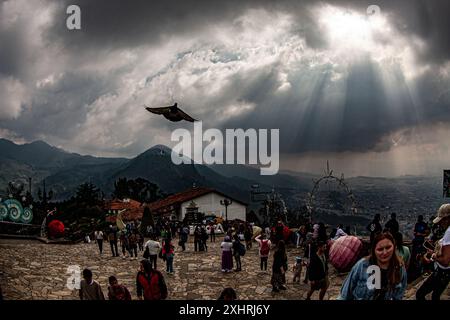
{"x": 150, "y": 283}
{"x": 264, "y": 250}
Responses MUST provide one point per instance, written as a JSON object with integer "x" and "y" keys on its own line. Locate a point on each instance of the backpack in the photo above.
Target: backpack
{"x": 146, "y": 254}
{"x": 241, "y": 249}
{"x": 264, "y": 251}
{"x": 161, "y": 255}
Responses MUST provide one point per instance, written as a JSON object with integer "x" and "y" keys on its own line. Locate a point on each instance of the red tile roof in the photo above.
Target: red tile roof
{"x": 133, "y": 209}
{"x": 178, "y": 198}
{"x": 174, "y": 201}
{"x": 118, "y": 204}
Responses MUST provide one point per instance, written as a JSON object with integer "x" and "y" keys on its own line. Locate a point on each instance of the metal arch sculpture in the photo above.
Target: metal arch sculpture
{"x": 274, "y": 205}
{"x": 340, "y": 182}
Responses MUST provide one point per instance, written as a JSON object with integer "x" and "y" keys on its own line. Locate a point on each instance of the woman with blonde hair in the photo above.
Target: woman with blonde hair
{"x": 390, "y": 273}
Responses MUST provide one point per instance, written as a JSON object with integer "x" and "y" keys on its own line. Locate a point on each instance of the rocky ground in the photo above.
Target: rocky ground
{"x": 34, "y": 270}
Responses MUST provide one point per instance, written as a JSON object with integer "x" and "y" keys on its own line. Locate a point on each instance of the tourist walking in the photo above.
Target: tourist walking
{"x": 197, "y": 239}
{"x": 264, "y": 250}
{"x": 124, "y": 243}
{"x": 227, "y": 257}
{"x": 153, "y": 250}
{"x": 318, "y": 271}
{"x": 204, "y": 237}
{"x": 279, "y": 267}
{"x": 141, "y": 239}
{"x": 212, "y": 232}
{"x": 168, "y": 253}
{"x": 309, "y": 248}
{"x": 392, "y": 272}
{"x": 248, "y": 234}
{"x": 439, "y": 279}
{"x": 237, "y": 252}
{"x": 132, "y": 242}
{"x": 150, "y": 283}
{"x": 89, "y": 288}
{"x": 117, "y": 291}
{"x": 184, "y": 235}
{"x": 173, "y": 229}
{"x": 112, "y": 237}
{"x": 99, "y": 238}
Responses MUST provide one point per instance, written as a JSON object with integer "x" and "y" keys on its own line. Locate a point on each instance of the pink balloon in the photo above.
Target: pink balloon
{"x": 345, "y": 252}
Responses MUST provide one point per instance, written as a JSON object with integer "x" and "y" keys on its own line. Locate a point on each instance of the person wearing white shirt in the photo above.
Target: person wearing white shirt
{"x": 99, "y": 238}
{"x": 153, "y": 249}
{"x": 439, "y": 279}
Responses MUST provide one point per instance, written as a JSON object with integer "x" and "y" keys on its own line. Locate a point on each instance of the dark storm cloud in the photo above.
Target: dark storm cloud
{"x": 11, "y": 51}
{"x": 309, "y": 122}
{"x": 116, "y": 23}
{"x": 60, "y": 108}
{"x": 132, "y": 23}
{"x": 358, "y": 123}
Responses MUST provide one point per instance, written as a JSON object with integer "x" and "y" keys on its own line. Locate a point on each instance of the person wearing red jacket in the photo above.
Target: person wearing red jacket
{"x": 150, "y": 283}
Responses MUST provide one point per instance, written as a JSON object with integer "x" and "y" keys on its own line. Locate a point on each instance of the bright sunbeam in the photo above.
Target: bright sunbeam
{"x": 349, "y": 30}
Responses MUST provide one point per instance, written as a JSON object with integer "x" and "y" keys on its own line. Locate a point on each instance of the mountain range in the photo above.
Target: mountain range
{"x": 64, "y": 172}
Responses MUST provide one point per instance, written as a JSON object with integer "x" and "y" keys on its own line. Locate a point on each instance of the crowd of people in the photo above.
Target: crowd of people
{"x": 396, "y": 262}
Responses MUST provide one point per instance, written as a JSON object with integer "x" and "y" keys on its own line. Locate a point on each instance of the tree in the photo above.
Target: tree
{"x": 15, "y": 190}
{"x": 138, "y": 189}
{"x": 147, "y": 220}
{"x": 252, "y": 217}
{"x": 88, "y": 194}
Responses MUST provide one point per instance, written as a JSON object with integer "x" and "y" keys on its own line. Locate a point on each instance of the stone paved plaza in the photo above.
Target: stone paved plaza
{"x": 33, "y": 270}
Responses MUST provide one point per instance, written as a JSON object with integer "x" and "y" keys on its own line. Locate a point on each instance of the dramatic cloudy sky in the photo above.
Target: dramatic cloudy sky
{"x": 370, "y": 91}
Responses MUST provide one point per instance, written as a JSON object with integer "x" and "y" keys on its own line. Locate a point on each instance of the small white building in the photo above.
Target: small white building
{"x": 208, "y": 201}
